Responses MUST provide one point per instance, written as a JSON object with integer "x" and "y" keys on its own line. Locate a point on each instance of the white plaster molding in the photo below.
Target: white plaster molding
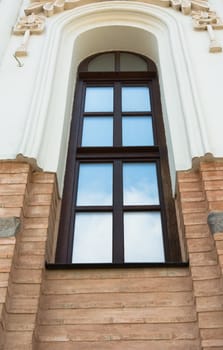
{"x": 203, "y": 18}
{"x": 47, "y": 126}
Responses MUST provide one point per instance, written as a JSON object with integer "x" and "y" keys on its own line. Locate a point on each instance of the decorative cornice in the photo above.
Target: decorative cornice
{"x": 36, "y": 13}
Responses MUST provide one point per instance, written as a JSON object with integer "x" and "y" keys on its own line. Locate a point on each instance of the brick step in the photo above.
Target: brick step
{"x": 159, "y": 284}
{"x": 116, "y": 300}
{"x": 111, "y": 332}
{"x": 121, "y": 315}
{"x": 123, "y": 345}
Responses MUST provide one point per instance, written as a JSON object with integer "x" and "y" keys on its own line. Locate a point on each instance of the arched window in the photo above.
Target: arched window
{"x": 117, "y": 207}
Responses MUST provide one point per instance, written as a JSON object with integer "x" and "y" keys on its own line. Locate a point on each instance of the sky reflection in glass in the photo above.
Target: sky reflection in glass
{"x": 99, "y": 99}
{"x": 97, "y": 131}
{"x": 135, "y": 99}
{"x": 140, "y": 184}
{"x": 93, "y": 238}
{"x": 95, "y": 184}
{"x": 137, "y": 131}
{"x": 143, "y": 237}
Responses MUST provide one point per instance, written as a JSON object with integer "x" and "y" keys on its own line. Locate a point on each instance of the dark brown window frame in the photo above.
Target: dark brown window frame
{"x": 117, "y": 154}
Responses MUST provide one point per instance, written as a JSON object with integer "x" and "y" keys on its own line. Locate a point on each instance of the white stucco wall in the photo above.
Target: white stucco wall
{"x": 36, "y": 99}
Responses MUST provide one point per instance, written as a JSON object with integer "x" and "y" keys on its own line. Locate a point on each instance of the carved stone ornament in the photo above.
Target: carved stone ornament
{"x": 34, "y": 20}
{"x": 208, "y": 21}
{"x": 9, "y": 226}
{"x": 215, "y": 222}
{"x": 27, "y": 25}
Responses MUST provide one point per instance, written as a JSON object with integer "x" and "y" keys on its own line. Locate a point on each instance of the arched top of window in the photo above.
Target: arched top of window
{"x": 118, "y": 61}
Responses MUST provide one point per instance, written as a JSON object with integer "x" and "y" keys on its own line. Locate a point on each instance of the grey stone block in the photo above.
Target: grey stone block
{"x": 215, "y": 222}
{"x": 9, "y": 226}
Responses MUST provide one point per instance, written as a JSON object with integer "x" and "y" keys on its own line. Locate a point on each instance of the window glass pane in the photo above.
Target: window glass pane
{"x": 140, "y": 184}
{"x": 137, "y": 131}
{"x": 135, "y": 98}
{"x": 143, "y": 237}
{"x": 92, "y": 238}
{"x": 97, "y": 131}
{"x": 102, "y": 63}
{"x": 95, "y": 184}
{"x": 99, "y": 99}
{"x": 130, "y": 62}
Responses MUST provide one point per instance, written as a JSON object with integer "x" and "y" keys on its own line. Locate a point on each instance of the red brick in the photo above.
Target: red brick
{"x": 7, "y": 212}
{"x": 42, "y": 177}
{"x": 215, "y": 206}
{"x": 5, "y": 265}
{"x": 30, "y": 261}
{"x": 14, "y": 167}
{"x": 40, "y": 199}
{"x": 3, "y": 292}
{"x": 123, "y": 315}
{"x": 205, "y": 272}
{"x": 20, "y": 322}
{"x": 192, "y": 196}
{"x": 212, "y": 175}
{"x": 211, "y": 165}
{"x": 193, "y": 207}
{"x": 37, "y": 211}
{"x": 13, "y": 189}
{"x": 190, "y": 186}
{"x": 200, "y": 244}
{"x": 214, "y": 195}
{"x": 188, "y": 176}
{"x": 17, "y": 305}
{"x": 117, "y": 300}
{"x": 159, "y": 284}
{"x": 203, "y": 259}
{"x": 21, "y": 178}
{"x": 34, "y": 235}
{"x": 6, "y": 251}
{"x": 33, "y": 223}
{"x": 211, "y": 319}
{"x": 196, "y": 231}
{"x": 207, "y": 287}
{"x": 161, "y": 331}
{"x": 213, "y": 185}
{"x": 15, "y": 339}
{"x": 27, "y": 276}
{"x": 4, "y": 277}
{"x": 41, "y": 188}
{"x": 123, "y": 345}
{"x": 210, "y": 303}
{"x": 195, "y": 218}
{"x": 32, "y": 248}
{"x": 11, "y": 201}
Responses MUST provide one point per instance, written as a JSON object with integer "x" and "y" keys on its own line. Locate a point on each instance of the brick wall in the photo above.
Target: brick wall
{"x": 149, "y": 308}
{"x": 199, "y": 193}
{"x": 31, "y": 196}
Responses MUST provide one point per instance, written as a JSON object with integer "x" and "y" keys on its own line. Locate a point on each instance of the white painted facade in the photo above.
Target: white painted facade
{"x": 36, "y": 99}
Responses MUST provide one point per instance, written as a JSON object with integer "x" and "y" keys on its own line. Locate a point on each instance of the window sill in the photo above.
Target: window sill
{"x": 55, "y": 266}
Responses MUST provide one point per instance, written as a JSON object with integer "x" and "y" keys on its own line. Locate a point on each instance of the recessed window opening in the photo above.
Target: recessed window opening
{"x": 117, "y": 207}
